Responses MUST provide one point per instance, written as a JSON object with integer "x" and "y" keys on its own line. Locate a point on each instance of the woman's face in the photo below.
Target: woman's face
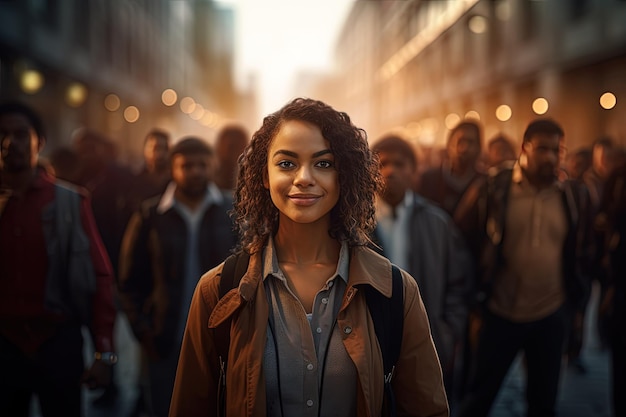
{"x": 301, "y": 173}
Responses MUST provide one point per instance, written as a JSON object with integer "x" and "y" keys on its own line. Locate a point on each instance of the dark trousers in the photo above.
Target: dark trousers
{"x": 499, "y": 343}
{"x": 53, "y": 374}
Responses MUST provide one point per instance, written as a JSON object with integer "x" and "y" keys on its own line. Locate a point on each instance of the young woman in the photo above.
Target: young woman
{"x": 302, "y": 341}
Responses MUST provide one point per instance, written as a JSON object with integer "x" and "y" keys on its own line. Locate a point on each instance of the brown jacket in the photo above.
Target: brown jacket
{"x": 417, "y": 382}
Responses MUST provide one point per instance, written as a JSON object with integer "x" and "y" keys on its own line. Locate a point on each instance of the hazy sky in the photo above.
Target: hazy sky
{"x": 276, "y": 39}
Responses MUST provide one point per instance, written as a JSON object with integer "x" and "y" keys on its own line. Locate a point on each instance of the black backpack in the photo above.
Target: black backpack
{"x": 387, "y": 315}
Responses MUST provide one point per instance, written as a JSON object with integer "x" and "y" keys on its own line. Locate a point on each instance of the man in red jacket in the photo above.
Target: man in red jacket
{"x": 54, "y": 277}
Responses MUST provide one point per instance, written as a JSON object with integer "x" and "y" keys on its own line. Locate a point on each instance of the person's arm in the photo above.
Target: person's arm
{"x": 418, "y": 381}
{"x": 136, "y": 277}
{"x": 196, "y": 385}
{"x": 104, "y": 312}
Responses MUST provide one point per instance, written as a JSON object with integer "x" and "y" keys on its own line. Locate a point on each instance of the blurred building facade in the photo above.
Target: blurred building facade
{"x": 120, "y": 66}
{"x": 420, "y": 66}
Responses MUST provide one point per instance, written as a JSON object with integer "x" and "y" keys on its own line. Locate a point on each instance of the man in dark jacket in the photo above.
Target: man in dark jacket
{"x": 421, "y": 238}
{"x": 54, "y": 277}
{"x": 169, "y": 243}
{"x": 532, "y": 234}
{"x": 448, "y": 184}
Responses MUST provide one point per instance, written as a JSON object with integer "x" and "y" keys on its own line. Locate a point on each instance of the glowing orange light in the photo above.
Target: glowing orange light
{"x": 112, "y": 102}
{"x": 503, "y": 113}
{"x": 169, "y": 97}
{"x": 131, "y": 114}
{"x": 608, "y": 100}
{"x": 540, "y": 105}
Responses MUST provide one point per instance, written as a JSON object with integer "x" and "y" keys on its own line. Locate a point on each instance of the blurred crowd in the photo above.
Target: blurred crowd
{"x": 505, "y": 237}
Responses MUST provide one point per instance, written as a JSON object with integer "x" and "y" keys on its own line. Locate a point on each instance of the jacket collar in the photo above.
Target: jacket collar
{"x": 366, "y": 268}
{"x": 213, "y": 196}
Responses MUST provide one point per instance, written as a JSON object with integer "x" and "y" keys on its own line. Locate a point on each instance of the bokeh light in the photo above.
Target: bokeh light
{"x": 540, "y": 105}
{"x": 472, "y": 114}
{"x": 608, "y": 100}
{"x": 452, "y": 120}
{"x": 131, "y": 114}
{"x": 169, "y": 97}
{"x": 76, "y": 94}
{"x": 112, "y": 102}
{"x": 197, "y": 112}
{"x": 31, "y": 81}
{"x": 477, "y": 24}
{"x": 503, "y": 113}
{"x": 187, "y": 105}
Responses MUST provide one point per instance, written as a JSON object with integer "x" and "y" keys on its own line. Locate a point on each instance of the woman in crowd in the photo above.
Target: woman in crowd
{"x": 300, "y": 339}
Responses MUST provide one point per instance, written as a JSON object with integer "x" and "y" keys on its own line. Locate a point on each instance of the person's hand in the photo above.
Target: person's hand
{"x": 98, "y": 375}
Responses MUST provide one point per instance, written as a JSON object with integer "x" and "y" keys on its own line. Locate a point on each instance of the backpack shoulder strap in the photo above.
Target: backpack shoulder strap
{"x": 235, "y": 267}
{"x": 388, "y": 317}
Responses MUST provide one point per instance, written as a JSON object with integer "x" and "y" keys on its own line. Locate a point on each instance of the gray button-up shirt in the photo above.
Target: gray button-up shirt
{"x": 307, "y": 369}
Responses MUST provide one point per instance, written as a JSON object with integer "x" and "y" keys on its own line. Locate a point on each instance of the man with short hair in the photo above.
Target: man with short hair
{"x": 231, "y": 140}
{"x": 447, "y": 184}
{"x": 422, "y": 239}
{"x": 155, "y": 174}
{"x": 54, "y": 277}
{"x": 534, "y": 251}
{"x": 169, "y": 243}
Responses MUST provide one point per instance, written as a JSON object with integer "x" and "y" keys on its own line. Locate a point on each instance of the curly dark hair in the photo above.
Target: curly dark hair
{"x": 352, "y": 218}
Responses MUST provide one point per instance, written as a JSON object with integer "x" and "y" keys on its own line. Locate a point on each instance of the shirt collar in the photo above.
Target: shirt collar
{"x": 213, "y": 196}
{"x": 384, "y": 209}
{"x": 271, "y": 267}
{"x": 520, "y": 178}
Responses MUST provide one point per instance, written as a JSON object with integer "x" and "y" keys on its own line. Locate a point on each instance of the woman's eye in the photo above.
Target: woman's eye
{"x": 325, "y": 164}
{"x": 285, "y": 164}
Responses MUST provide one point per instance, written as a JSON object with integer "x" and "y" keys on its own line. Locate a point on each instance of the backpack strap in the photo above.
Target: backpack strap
{"x": 235, "y": 267}
{"x": 388, "y": 317}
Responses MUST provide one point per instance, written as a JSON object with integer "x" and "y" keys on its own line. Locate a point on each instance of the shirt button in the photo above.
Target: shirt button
{"x": 347, "y": 330}
{"x": 309, "y": 403}
{"x": 319, "y": 330}
{"x": 330, "y": 284}
{"x": 309, "y": 367}
{"x": 324, "y": 300}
